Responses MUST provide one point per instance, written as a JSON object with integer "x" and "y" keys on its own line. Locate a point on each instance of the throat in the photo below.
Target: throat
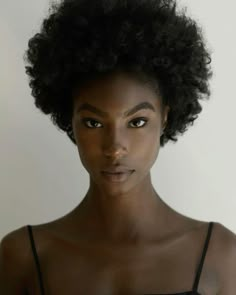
{"x": 127, "y": 221}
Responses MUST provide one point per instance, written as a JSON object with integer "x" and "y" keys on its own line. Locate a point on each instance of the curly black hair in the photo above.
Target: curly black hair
{"x": 81, "y": 40}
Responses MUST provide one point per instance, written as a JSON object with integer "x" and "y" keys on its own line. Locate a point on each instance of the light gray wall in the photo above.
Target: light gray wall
{"x": 41, "y": 177}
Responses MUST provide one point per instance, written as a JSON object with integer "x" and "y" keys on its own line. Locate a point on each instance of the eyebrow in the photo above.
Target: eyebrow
{"x": 138, "y": 107}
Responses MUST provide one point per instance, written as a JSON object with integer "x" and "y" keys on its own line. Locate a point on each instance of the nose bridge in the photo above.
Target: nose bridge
{"x": 115, "y": 142}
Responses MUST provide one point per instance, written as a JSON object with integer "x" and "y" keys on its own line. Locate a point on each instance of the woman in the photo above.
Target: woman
{"x": 121, "y": 78}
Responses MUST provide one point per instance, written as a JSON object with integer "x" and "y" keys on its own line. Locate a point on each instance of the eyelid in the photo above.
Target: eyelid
{"x": 84, "y": 120}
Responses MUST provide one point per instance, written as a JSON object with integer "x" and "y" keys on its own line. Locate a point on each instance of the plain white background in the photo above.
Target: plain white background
{"x": 41, "y": 177}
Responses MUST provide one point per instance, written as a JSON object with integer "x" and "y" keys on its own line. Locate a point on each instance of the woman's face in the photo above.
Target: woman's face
{"x": 117, "y": 121}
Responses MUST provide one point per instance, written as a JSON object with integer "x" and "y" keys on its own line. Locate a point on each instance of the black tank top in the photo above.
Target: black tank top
{"x": 191, "y": 292}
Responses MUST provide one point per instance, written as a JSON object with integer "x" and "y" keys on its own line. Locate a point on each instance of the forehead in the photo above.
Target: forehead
{"x": 118, "y": 91}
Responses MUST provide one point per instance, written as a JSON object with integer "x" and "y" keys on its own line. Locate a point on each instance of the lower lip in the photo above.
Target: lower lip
{"x": 118, "y": 177}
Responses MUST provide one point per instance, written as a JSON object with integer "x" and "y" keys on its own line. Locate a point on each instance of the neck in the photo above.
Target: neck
{"x": 132, "y": 216}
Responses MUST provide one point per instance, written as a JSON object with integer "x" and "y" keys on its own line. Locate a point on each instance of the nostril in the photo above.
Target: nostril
{"x": 115, "y": 152}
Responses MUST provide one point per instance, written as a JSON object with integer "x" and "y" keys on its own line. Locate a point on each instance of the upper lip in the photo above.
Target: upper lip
{"x": 116, "y": 169}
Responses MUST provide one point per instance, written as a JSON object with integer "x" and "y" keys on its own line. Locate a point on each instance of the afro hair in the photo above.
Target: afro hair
{"x": 82, "y": 39}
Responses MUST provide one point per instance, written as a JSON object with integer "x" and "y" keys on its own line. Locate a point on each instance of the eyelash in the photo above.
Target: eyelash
{"x": 85, "y": 120}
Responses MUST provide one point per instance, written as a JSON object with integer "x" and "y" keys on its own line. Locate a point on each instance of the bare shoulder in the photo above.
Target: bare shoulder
{"x": 224, "y": 249}
{"x": 225, "y": 233}
{"x": 224, "y": 241}
{"x": 14, "y": 261}
{"x": 15, "y": 246}
{"x": 221, "y": 255}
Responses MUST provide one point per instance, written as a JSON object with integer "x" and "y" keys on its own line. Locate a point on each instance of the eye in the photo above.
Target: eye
{"x": 91, "y": 123}
{"x": 138, "y": 120}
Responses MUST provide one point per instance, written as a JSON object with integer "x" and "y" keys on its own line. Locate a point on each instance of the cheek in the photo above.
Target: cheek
{"x": 148, "y": 138}
{"x": 88, "y": 148}
{"x": 147, "y": 148}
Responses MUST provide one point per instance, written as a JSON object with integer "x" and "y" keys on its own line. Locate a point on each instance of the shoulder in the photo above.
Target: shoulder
{"x": 14, "y": 260}
{"x": 224, "y": 249}
{"x": 15, "y": 246}
{"x": 224, "y": 232}
{"x": 224, "y": 240}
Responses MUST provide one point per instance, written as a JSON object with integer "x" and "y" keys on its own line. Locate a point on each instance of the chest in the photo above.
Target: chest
{"x": 101, "y": 270}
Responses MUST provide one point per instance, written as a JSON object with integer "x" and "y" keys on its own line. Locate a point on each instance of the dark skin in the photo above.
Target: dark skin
{"x": 122, "y": 238}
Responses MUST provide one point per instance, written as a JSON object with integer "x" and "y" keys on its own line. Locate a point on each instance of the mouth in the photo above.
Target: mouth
{"x": 120, "y": 176}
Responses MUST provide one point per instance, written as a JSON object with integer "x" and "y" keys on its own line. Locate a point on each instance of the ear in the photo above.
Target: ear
{"x": 165, "y": 116}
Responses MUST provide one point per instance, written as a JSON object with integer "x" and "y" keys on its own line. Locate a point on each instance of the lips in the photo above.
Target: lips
{"x": 117, "y": 175}
{"x": 117, "y": 170}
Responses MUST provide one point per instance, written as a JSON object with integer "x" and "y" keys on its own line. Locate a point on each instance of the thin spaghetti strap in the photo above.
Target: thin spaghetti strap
{"x": 36, "y": 259}
{"x": 200, "y": 266}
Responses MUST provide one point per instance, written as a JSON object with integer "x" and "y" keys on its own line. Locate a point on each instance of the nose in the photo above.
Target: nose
{"x": 115, "y": 152}
{"x": 115, "y": 145}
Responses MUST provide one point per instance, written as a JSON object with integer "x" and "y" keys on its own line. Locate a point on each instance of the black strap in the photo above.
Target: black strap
{"x": 36, "y": 259}
{"x": 200, "y": 266}
{"x": 196, "y": 281}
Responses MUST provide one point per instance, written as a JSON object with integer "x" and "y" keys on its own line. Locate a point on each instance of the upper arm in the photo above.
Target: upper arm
{"x": 227, "y": 252}
{"x": 13, "y": 266}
